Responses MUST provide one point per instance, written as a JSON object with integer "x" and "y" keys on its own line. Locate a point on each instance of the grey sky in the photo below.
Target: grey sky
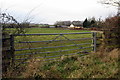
{"x": 49, "y": 11}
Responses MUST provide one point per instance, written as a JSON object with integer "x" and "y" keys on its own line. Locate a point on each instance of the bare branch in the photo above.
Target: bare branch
{"x": 115, "y": 3}
{"x": 111, "y": 2}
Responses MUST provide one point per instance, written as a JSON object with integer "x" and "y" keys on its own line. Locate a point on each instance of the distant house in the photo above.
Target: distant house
{"x": 63, "y": 24}
{"x": 77, "y": 23}
{"x": 72, "y": 26}
{"x": 68, "y": 24}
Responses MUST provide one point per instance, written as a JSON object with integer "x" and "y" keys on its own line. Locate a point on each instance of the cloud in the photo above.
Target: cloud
{"x": 49, "y": 11}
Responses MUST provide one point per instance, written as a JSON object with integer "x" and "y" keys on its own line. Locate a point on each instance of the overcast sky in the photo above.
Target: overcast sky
{"x": 50, "y": 11}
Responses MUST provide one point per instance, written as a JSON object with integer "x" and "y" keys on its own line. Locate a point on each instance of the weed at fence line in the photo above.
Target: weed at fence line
{"x": 93, "y": 65}
{"x": 112, "y": 33}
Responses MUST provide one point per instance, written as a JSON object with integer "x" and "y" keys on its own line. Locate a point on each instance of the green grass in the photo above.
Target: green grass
{"x": 95, "y": 65}
{"x": 51, "y": 30}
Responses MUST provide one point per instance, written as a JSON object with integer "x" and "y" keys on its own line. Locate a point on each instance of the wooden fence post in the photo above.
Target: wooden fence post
{"x": 94, "y": 41}
{"x": 6, "y": 52}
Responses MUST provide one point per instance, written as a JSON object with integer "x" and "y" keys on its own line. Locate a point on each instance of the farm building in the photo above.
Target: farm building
{"x": 75, "y": 27}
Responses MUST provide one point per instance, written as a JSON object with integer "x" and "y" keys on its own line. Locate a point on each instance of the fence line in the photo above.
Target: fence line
{"x": 13, "y": 50}
{"x": 51, "y": 40}
{"x": 52, "y": 34}
{"x": 85, "y": 51}
{"x": 51, "y": 47}
{"x": 52, "y": 52}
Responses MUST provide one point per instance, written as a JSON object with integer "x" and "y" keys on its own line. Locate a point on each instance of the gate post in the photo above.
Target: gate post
{"x": 94, "y": 41}
{"x": 7, "y": 51}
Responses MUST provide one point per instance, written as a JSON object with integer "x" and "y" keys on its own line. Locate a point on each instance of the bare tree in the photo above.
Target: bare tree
{"x": 112, "y": 26}
{"x": 115, "y": 3}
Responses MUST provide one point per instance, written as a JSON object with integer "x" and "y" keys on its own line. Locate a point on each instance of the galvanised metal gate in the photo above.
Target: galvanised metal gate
{"x": 50, "y": 46}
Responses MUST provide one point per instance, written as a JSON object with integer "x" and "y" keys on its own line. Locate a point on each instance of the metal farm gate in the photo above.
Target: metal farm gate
{"x": 51, "y": 46}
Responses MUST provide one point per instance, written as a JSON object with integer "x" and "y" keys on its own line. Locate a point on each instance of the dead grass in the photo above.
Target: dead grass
{"x": 32, "y": 68}
{"x": 94, "y": 65}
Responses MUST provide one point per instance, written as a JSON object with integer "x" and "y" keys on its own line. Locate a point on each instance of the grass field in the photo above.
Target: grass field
{"x": 51, "y": 30}
{"x": 95, "y": 65}
{"x": 65, "y": 41}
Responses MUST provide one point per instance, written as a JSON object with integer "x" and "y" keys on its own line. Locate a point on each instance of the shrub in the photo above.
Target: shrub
{"x": 112, "y": 32}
